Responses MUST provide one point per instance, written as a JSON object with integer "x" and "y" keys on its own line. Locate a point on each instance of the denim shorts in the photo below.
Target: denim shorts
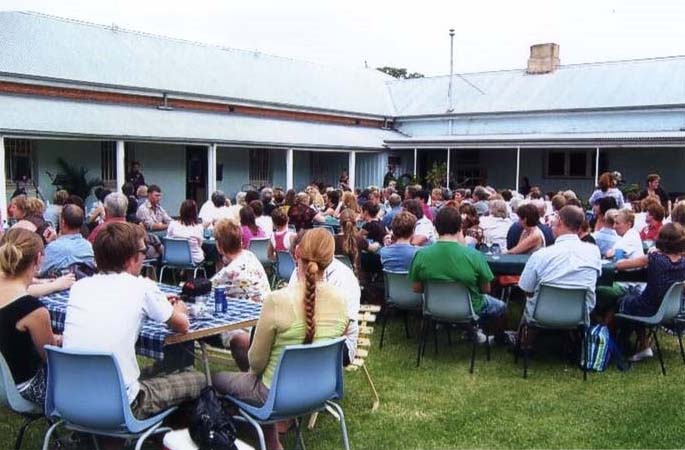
{"x": 492, "y": 308}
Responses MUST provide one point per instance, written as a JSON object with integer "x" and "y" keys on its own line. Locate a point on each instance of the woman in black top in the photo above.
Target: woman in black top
{"x": 24, "y": 321}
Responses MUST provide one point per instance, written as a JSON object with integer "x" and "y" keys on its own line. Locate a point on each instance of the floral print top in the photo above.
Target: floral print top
{"x": 244, "y": 278}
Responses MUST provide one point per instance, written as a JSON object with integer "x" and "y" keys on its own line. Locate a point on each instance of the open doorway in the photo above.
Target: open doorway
{"x": 196, "y": 173}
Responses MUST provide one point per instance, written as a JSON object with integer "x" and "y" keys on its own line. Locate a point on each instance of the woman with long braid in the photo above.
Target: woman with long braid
{"x": 304, "y": 312}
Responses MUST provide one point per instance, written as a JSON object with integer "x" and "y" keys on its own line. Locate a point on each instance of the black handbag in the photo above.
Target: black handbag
{"x": 210, "y": 427}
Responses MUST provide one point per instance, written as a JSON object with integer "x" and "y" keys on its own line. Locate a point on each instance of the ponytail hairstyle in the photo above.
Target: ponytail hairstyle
{"x": 348, "y": 225}
{"x": 19, "y": 248}
{"x": 315, "y": 252}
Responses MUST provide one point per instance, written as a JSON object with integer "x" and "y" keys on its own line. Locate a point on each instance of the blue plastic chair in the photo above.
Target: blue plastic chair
{"x": 86, "y": 393}
{"x": 260, "y": 247}
{"x": 285, "y": 265}
{"x": 557, "y": 307}
{"x": 447, "y": 302}
{"x": 306, "y": 380}
{"x": 400, "y": 295}
{"x": 177, "y": 256}
{"x": 325, "y": 226}
{"x": 10, "y": 398}
{"x": 345, "y": 260}
{"x": 669, "y": 310}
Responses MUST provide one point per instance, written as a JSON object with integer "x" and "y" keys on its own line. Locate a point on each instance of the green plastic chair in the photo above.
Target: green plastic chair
{"x": 557, "y": 307}
{"x": 446, "y": 302}
{"x": 399, "y": 295}
{"x": 668, "y": 311}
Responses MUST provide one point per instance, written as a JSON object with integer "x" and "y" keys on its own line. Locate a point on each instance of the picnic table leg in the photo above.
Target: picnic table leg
{"x": 205, "y": 362}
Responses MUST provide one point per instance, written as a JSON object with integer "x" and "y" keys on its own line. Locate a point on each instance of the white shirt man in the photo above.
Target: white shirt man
{"x": 105, "y": 313}
{"x": 569, "y": 262}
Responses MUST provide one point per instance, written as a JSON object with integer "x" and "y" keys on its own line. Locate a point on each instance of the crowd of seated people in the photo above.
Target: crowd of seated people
{"x": 430, "y": 235}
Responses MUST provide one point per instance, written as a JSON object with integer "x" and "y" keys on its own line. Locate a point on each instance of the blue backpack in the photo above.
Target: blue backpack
{"x": 599, "y": 348}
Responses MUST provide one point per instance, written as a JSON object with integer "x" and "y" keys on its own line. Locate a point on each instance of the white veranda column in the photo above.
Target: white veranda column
{"x": 447, "y": 175}
{"x": 415, "y": 157}
{"x": 121, "y": 164}
{"x": 289, "y": 170}
{"x": 596, "y": 168}
{"x": 352, "y": 169}
{"x": 211, "y": 169}
{"x": 518, "y": 167}
{"x": 3, "y": 181}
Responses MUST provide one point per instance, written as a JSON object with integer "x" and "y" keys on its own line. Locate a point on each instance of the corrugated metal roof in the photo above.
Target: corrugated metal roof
{"x": 45, "y": 46}
{"x": 656, "y": 138}
{"x": 659, "y": 81}
{"x": 50, "y": 117}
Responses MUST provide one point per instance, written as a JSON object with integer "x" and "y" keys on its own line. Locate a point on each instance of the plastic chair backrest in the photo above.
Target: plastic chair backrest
{"x": 86, "y": 389}
{"x": 176, "y": 252}
{"x": 260, "y": 247}
{"x": 320, "y": 363}
{"x": 449, "y": 301}
{"x": 560, "y": 307}
{"x": 9, "y": 395}
{"x": 327, "y": 227}
{"x": 345, "y": 260}
{"x": 399, "y": 290}
{"x": 671, "y": 305}
{"x": 286, "y": 264}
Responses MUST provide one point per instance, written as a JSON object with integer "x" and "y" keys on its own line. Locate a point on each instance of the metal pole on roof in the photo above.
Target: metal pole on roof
{"x": 450, "y": 108}
{"x": 415, "y": 154}
{"x": 447, "y": 175}
{"x": 518, "y": 166}
{"x": 121, "y": 164}
{"x": 3, "y": 189}
{"x": 596, "y": 167}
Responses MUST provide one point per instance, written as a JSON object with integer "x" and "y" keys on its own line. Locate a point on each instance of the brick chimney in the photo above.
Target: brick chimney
{"x": 544, "y": 58}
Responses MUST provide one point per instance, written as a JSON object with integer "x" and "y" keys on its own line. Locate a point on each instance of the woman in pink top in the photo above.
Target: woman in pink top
{"x": 248, "y": 226}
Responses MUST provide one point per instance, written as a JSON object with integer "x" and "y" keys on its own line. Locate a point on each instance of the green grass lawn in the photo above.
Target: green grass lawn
{"x": 440, "y": 405}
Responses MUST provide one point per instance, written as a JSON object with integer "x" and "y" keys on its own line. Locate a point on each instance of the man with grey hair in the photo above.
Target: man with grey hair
{"x": 214, "y": 209}
{"x": 480, "y": 198}
{"x": 395, "y": 206}
{"x": 267, "y": 196}
{"x": 496, "y": 225}
{"x": 115, "y": 205}
{"x": 233, "y": 212}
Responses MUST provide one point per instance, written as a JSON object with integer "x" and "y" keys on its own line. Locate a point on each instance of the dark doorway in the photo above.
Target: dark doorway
{"x": 196, "y": 174}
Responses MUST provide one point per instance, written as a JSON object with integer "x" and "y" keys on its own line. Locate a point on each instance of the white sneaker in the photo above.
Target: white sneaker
{"x": 482, "y": 338}
{"x": 639, "y": 356}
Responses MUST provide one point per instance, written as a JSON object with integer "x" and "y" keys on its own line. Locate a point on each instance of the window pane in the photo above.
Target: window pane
{"x": 555, "y": 164}
{"x": 578, "y": 164}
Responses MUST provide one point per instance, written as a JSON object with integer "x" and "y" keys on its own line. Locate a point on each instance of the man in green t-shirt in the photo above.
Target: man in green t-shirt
{"x": 449, "y": 260}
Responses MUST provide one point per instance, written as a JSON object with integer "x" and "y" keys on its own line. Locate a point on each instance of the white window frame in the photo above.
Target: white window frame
{"x": 108, "y": 163}
{"x": 259, "y": 173}
{"x": 589, "y": 163}
{"x": 13, "y": 149}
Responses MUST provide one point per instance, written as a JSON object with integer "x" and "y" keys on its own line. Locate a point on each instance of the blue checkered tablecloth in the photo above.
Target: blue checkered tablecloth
{"x": 153, "y": 334}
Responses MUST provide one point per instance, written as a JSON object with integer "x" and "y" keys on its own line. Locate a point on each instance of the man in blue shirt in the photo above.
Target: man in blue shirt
{"x": 70, "y": 247}
{"x": 395, "y": 203}
{"x": 397, "y": 256}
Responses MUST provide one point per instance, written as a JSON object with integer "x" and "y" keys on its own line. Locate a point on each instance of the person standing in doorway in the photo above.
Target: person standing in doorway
{"x": 135, "y": 176}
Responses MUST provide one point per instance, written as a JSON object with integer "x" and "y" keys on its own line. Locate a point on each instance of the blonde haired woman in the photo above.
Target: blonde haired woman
{"x": 24, "y": 321}
{"x": 306, "y": 311}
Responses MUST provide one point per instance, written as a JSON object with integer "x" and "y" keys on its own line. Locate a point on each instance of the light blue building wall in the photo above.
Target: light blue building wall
{"x": 164, "y": 165}
{"x": 79, "y": 154}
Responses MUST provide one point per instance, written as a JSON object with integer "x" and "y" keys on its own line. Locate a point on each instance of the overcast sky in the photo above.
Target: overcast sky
{"x": 489, "y": 34}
